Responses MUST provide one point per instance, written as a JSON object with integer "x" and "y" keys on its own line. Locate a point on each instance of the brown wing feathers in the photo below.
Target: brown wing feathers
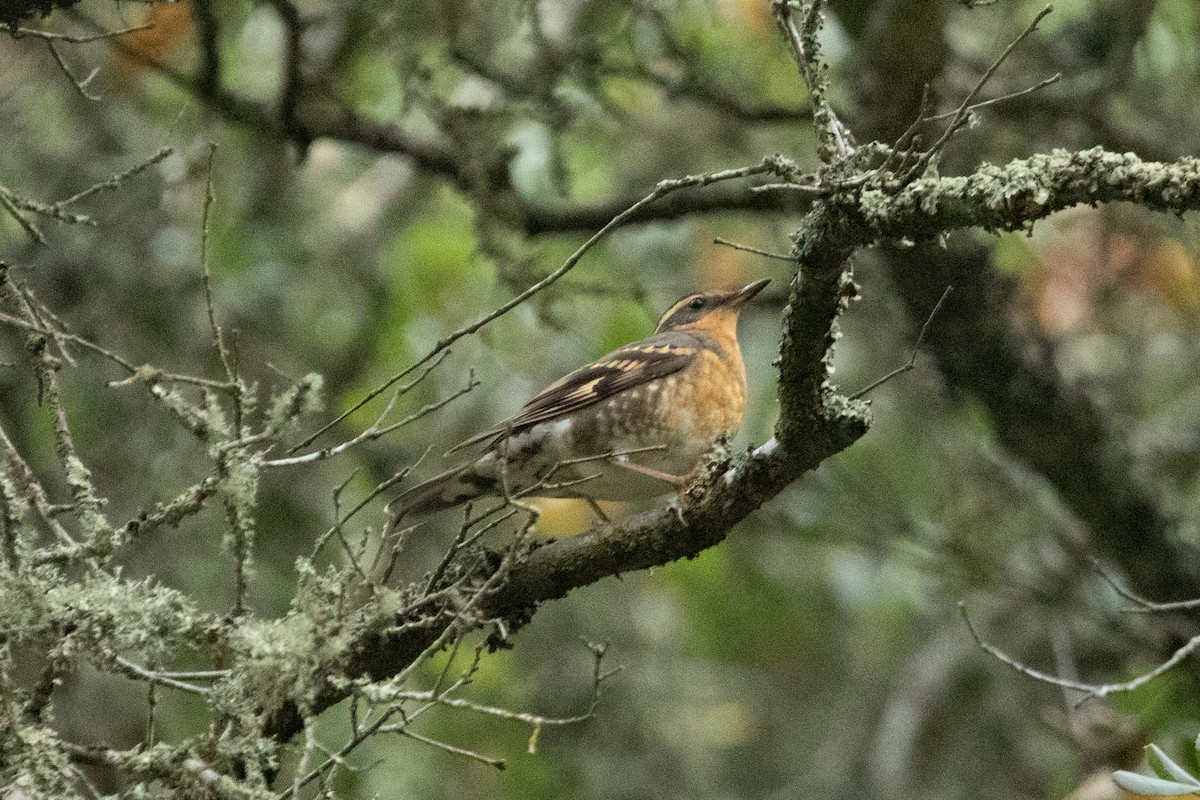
{"x": 624, "y": 368}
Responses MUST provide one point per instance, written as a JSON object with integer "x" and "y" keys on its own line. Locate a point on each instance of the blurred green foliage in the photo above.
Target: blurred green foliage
{"x": 818, "y": 652}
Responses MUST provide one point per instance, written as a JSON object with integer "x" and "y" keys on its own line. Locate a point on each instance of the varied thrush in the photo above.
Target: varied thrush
{"x": 631, "y": 425}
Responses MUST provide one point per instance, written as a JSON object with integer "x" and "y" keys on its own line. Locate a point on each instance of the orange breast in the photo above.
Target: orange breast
{"x": 707, "y": 401}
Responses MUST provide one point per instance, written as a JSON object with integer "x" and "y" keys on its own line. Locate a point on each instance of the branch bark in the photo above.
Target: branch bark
{"x": 815, "y": 421}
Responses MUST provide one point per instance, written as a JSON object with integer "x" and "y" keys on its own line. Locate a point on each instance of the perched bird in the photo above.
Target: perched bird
{"x": 633, "y": 424}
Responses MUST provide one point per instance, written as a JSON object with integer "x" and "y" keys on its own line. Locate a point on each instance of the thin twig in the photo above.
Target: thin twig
{"x": 115, "y": 181}
{"x": 1144, "y": 606}
{"x": 1053, "y": 79}
{"x": 8, "y": 203}
{"x": 79, "y": 84}
{"x": 379, "y": 489}
{"x": 908, "y": 140}
{"x": 498, "y": 763}
{"x": 389, "y": 689}
{"x": 912, "y": 359}
{"x": 960, "y": 114}
{"x": 136, "y": 373}
{"x": 206, "y": 275}
{"x": 50, "y": 36}
{"x": 195, "y": 675}
{"x": 377, "y": 429}
{"x": 356, "y": 739}
{"x": 1089, "y": 690}
{"x": 156, "y": 678}
{"x": 747, "y": 248}
{"x": 451, "y": 552}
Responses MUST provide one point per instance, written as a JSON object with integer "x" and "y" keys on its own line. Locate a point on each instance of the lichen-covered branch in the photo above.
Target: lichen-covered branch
{"x": 815, "y": 421}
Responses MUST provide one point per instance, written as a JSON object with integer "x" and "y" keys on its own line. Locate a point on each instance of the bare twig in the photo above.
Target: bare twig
{"x": 14, "y": 204}
{"x": 195, "y": 674}
{"x": 378, "y": 429}
{"x": 145, "y": 374}
{"x": 80, "y": 84}
{"x": 1053, "y": 79}
{"x": 116, "y": 181}
{"x": 961, "y": 114}
{"x": 535, "y": 721}
{"x": 8, "y": 202}
{"x": 1143, "y": 605}
{"x": 455, "y": 546}
{"x": 50, "y": 36}
{"x": 390, "y": 693}
{"x": 1089, "y": 690}
{"x": 206, "y": 275}
{"x": 498, "y": 763}
{"x": 359, "y": 736}
{"x": 137, "y": 672}
{"x": 378, "y": 490}
{"x": 912, "y": 359}
{"x": 747, "y": 248}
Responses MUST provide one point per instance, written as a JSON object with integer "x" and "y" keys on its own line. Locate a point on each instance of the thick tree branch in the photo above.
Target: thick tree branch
{"x": 1040, "y": 417}
{"x": 1037, "y": 415}
{"x": 815, "y": 421}
{"x": 818, "y": 424}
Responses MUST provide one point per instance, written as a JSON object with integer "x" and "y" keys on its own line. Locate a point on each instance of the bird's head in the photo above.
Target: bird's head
{"x": 709, "y": 311}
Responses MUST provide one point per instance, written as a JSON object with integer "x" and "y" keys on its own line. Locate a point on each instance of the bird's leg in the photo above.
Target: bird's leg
{"x": 680, "y": 482}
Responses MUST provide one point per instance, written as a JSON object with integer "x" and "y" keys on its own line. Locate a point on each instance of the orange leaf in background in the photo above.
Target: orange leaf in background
{"x": 720, "y": 267}
{"x": 1168, "y": 270}
{"x": 1072, "y": 265}
{"x": 754, "y": 13}
{"x": 140, "y": 50}
{"x": 1089, "y": 255}
{"x": 565, "y": 517}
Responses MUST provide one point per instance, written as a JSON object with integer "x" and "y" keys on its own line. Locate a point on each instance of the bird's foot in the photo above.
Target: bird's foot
{"x": 681, "y": 505}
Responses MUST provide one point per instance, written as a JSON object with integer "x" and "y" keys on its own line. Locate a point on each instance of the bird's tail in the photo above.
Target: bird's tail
{"x": 451, "y": 488}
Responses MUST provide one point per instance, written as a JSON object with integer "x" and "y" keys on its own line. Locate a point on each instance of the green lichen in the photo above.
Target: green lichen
{"x": 289, "y": 406}
{"x": 33, "y": 765}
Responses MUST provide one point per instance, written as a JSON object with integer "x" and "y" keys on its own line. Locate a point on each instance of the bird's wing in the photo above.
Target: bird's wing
{"x": 624, "y": 368}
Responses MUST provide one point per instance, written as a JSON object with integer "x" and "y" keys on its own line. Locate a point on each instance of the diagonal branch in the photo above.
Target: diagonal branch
{"x": 815, "y": 421}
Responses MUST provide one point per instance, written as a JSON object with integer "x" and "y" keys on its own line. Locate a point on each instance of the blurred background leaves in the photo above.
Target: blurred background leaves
{"x": 819, "y": 650}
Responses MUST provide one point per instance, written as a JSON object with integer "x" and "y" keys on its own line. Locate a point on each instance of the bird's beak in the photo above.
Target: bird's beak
{"x": 748, "y": 292}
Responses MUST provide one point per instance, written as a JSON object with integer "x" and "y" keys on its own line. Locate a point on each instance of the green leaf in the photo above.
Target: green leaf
{"x": 1155, "y": 787}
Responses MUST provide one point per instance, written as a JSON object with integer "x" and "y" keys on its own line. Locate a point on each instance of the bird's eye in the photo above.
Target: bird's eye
{"x": 696, "y": 304}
